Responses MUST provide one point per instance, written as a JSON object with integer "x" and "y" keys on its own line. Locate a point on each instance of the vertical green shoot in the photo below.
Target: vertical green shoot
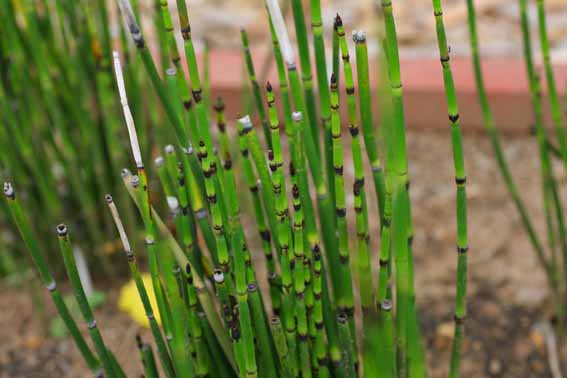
{"x": 461, "y": 196}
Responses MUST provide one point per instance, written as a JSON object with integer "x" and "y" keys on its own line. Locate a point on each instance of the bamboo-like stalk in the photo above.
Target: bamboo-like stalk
{"x": 461, "y": 196}
{"x": 410, "y": 359}
{"x": 183, "y": 365}
{"x": 306, "y": 74}
{"x": 222, "y": 256}
{"x": 165, "y": 100}
{"x": 365, "y": 101}
{"x": 341, "y": 271}
{"x": 255, "y": 87}
{"x": 265, "y": 235}
{"x": 164, "y": 355}
{"x": 494, "y": 136}
{"x": 347, "y": 343}
{"x": 175, "y": 249}
{"x": 299, "y": 275}
{"x": 284, "y": 238}
{"x": 386, "y": 356}
{"x": 320, "y": 354}
{"x": 150, "y": 234}
{"x": 267, "y": 364}
{"x": 104, "y": 354}
{"x": 194, "y": 77}
{"x": 47, "y": 279}
{"x": 181, "y": 82}
{"x": 557, "y": 114}
{"x": 148, "y": 360}
{"x": 249, "y": 366}
{"x": 200, "y": 353}
{"x": 560, "y": 123}
{"x": 280, "y": 345}
{"x": 284, "y": 88}
{"x": 323, "y": 87}
{"x": 324, "y": 201}
{"x": 549, "y": 184}
{"x": 255, "y": 148}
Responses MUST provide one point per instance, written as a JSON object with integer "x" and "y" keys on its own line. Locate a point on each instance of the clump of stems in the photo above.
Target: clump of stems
{"x": 219, "y": 315}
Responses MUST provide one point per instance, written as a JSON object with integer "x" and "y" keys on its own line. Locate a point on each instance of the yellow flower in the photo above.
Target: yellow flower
{"x": 129, "y": 301}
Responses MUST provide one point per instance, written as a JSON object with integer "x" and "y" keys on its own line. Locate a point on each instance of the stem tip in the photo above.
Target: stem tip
{"x": 9, "y": 190}
{"x": 61, "y": 229}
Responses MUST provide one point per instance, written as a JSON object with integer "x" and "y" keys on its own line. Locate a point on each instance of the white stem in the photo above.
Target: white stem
{"x": 281, "y": 31}
{"x": 119, "y": 225}
{"x": 127, "y": 113}
{"x": 83, "y": 269}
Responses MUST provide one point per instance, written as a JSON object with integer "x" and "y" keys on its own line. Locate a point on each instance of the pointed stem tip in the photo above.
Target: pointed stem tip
{"x": 338, "y": 21}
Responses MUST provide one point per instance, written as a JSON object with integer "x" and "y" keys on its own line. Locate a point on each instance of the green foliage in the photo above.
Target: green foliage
{"x": 220, "y": 316}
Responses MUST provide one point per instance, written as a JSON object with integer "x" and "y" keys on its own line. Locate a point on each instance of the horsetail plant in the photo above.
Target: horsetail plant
{"x": 32, "y": 245}
{"x": 461, "y": 195}
{"x": 219, "y": 316}
{"x": 553, "y": 208}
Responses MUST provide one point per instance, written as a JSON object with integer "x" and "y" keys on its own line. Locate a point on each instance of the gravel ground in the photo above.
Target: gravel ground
{"x": 507, "y": 294}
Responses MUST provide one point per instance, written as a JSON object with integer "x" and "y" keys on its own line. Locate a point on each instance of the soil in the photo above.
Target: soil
{"x": 507, "y": 290}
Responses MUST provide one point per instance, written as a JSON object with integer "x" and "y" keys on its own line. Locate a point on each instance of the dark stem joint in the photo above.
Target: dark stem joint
{"x": 139, "y": 42}
{"x": 186, "y": 33}
{"x": 265, "y": 234}
{"x": 358, "y": 185}
{"x": 459, "y": 320}
{"x": 197, "y": 95}
{"x": 462, "y": 250}
{"x": 461, "y": 180}
{"x": 354, "y": 130}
